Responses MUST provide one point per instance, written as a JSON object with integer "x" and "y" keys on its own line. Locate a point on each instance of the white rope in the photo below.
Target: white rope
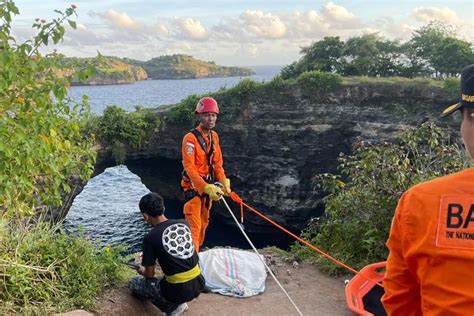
{"x": 259, "y": 256}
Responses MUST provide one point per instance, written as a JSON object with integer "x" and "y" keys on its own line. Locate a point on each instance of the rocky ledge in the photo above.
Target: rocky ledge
{"x": 275, "y": 141}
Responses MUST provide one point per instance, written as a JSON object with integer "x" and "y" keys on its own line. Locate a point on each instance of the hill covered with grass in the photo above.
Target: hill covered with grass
{"x": 186, "y": 67}
{"x": 101, "y": 70}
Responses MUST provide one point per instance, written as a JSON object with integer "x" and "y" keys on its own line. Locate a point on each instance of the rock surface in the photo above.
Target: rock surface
{"x": 275, "y": 141}
{"x": 107, "y": 70}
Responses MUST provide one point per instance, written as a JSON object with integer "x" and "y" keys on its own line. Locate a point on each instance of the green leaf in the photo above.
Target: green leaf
{"x": 44, "y": 38}
{"x": 72, "y": 24}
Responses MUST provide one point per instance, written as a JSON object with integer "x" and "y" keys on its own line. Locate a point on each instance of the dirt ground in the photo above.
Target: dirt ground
{"x": 313, "y": 292}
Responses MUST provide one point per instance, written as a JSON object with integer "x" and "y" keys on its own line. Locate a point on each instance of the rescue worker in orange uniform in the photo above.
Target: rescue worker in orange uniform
{"x": 203, "y": 166}
{"x": 430, "y": 268}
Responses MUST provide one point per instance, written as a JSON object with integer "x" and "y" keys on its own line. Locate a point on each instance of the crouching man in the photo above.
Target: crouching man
{"x": 170, "y": 243}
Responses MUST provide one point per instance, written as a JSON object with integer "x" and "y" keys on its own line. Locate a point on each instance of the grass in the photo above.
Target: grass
{"x": 393, "y": 80}
{"x": 312, "y": 84}
{"x": 44, "y": 270}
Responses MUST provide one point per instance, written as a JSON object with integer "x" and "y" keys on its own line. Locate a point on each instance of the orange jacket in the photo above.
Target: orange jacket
{"x": 195, "y": 161}
{"x": 430, "y": 268}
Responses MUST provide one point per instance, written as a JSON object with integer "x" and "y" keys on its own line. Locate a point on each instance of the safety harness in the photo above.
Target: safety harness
{"x": 189, "y": 194}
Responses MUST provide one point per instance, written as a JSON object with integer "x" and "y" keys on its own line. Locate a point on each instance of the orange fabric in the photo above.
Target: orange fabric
{"x": 430, "y": 265}
{"x": 196, "y": 213}
{"x": 195, "y": 161}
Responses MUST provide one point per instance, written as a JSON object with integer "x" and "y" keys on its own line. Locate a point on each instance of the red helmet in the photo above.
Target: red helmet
{"x": 207, "y": 105}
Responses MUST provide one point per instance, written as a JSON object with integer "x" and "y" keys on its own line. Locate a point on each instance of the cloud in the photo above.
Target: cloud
{"x": 230, "y": 30}
{"x": 427, "y": 14}
{"x": 393, "y": 29}
{"x": 248, "y": 36}
{"x": 250, "y": 50}
{"x": 263, "y": 25}
{"x": 337, "y": 16}
{"x": 463, "y": 27}
{"x": 190, "y": 28}
{"x": 23, "y": 34}
{"x": 162, "y": 30}
{"x": 306, "y": 25}
{"x": 332, "y": 20}
{"x": 257, "y": 26}
{"x": 250, "y": 27}
{"x": 83, "y": 36}
{"x": 120, "y": 20}
{"x": 121, "y": 28}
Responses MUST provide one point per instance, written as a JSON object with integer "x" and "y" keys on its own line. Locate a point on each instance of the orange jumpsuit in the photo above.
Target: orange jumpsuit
{"x": 195, "y": 163}
{"x": 430, "y": 268}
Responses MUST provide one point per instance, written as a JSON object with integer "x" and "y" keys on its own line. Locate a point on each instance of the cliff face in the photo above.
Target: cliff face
{"x": 138, "y": 73}
{"x": 276, "y": 140}
{"x": 107, "y": 70}
{"x": 186, "y": 67}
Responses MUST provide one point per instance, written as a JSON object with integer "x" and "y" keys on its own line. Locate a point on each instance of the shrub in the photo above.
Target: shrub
{"x": 45, "y": 270}
{"x": 183, "y": 113}
{"x": 452, "y": 86}
{"x": 246, "y": 87}
{"x": 129, "y": 129}
{"x": 41, "y": 144}
{"x": 359, "y": 210}
{"x": 290, "y": 71}
{"x": 317, "y": 82}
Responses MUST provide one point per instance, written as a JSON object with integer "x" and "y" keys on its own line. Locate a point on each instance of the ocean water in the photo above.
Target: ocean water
{"x": 107, "y": 211}
{"x": 153, "y": 93}
{"x": 107, "y": 208}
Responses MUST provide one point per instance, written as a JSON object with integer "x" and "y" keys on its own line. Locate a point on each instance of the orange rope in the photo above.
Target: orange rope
{"x": 241, "y": 212}
{"x": 239, "y": 200}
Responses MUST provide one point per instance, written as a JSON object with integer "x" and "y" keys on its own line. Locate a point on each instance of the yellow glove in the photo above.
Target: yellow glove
{"x": 213, "y": 191}
{"x": 226, "y": 184}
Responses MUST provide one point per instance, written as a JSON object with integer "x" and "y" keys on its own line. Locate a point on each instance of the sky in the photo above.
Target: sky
{"x": 234, "y": 33}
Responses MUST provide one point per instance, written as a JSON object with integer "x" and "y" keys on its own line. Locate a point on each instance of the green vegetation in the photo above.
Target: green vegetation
{"x": 433, "y": 51}
{"x": 246, "y": 87}
{"x": 316, "y": 83}
{"x": 186, "y": 67}
{"x": 103, "y": 70}
{"x": 423, "y": 85}
{"x": 311, "y": 84}
{"x": 452, "y": 86}
{"x": 184, "y": 111}
{"x": 401, "y": 81}
{"x": 41, "y": 144}
{"x": 361, "y": 202}
{"x": 43, "y": 148}
{"x": 45, "y": 270}
{"x": 123, "y": 130}
{"x": 286, "y": 255}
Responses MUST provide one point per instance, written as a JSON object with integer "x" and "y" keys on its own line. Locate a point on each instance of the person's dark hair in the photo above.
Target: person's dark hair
{"x": 197, "y": 120}
{"x": 152, "y": 204}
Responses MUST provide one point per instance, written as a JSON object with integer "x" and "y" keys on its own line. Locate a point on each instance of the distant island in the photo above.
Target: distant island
{"x": 113, "y": 70}
{"x": 103, "y": 70}
{"x": 181, "y": 66}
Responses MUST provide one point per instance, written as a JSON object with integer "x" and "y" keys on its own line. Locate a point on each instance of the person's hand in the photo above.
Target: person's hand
{"x": 226, "y": 184}
{"x": 213, "y": 191}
